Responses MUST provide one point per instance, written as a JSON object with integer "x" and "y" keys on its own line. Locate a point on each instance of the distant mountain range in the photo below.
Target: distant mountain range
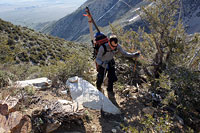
{"x": 123, "y": 12}
{"x": 30, "y": 13}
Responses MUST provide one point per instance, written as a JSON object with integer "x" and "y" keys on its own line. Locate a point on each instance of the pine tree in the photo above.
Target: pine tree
{"x": 167, "y": 35}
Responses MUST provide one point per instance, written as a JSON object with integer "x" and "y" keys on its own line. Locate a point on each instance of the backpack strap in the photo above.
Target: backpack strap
{"x": 105, "y": 49}
{"x": 102, "y": 41}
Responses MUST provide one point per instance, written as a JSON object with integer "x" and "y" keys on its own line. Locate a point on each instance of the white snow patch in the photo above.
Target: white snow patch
{"x": 136, "y": 9}
{"x": 37, "y": 83}
{"x": 135, "y": 18}
{"x": 150, "y": 4}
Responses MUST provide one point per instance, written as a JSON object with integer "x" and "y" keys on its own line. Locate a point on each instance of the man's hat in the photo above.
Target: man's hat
{"x": 113, "y": 38}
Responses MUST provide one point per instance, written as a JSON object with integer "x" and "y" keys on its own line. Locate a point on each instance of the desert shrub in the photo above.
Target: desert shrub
{"x": 22, "y": 71}
{"x": 5, "y": 78}
{"x": 6, "y": 54}
{"x": 11, "y": 41}
{"x": 160, "y": 124}
{"x": 151, "y": 124}
{"x": 74, "y": 65}
{"x": 30, "y": 90}
{"x": 23, "y": 56}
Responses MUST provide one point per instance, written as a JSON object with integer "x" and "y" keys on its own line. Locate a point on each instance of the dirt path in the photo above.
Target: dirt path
{"x": 130, "y": 107}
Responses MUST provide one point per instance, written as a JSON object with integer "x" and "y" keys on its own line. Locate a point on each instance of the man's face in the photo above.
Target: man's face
{"x": 114, "y": 44}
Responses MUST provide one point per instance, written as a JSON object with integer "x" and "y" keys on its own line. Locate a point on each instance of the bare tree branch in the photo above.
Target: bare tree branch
{"x": 196, "y": 53}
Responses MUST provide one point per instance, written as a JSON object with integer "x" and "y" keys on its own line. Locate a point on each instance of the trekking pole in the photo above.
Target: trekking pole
{"x": 135, "y": 65}
{"x": 135, "y": 60}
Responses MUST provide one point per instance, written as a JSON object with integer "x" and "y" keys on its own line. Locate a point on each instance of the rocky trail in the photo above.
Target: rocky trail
{"x": 44, "y": 110}
{"x": 98, "y": 121}
{"x": 51, "y": 109}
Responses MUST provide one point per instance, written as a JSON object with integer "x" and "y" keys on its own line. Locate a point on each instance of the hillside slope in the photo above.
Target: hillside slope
{"x": 104, "y": 12}
{"x": 20, "y": 44}
{"x": 191, "y": 15}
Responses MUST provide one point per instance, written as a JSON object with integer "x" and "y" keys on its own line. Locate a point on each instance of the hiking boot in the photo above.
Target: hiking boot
{"x": 111, "y": 95}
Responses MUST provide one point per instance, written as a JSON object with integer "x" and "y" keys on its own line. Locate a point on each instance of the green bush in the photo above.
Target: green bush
{"x": 151, "y": 124}
{"x": 6, "y": 54}
{"x": 30, "y": 90}
{"x": 22, "y": 71}
{"x": 75, "y": 65}
{"x": 5, "y": 78}
{"x": 161, "y": 124}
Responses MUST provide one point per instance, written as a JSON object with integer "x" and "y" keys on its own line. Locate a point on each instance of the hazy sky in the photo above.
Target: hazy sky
{"x": 34, "y": 11}
{"x": 22, "y": 1}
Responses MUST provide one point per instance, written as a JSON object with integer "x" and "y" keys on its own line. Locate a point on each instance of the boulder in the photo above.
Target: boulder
{"x": 85, "y": 93}
{"x": 55, "y": 113}
{"x": 37, "y": 83}
{"x": 149, "y": 110}
{"x": 126, "y": 91}
{"x": 114, "y": 131}
{"x": 2, "y": 130}
{"x": 10, "y": 103}
{"x": 24, "y": 126}
{"x": 12, "y": 120}
{"x": 52, "y": 126}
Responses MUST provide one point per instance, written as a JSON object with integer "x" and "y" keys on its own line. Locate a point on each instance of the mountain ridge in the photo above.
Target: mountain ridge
{"x": 73, "y": 26}
{"x": 77, "y": 24}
